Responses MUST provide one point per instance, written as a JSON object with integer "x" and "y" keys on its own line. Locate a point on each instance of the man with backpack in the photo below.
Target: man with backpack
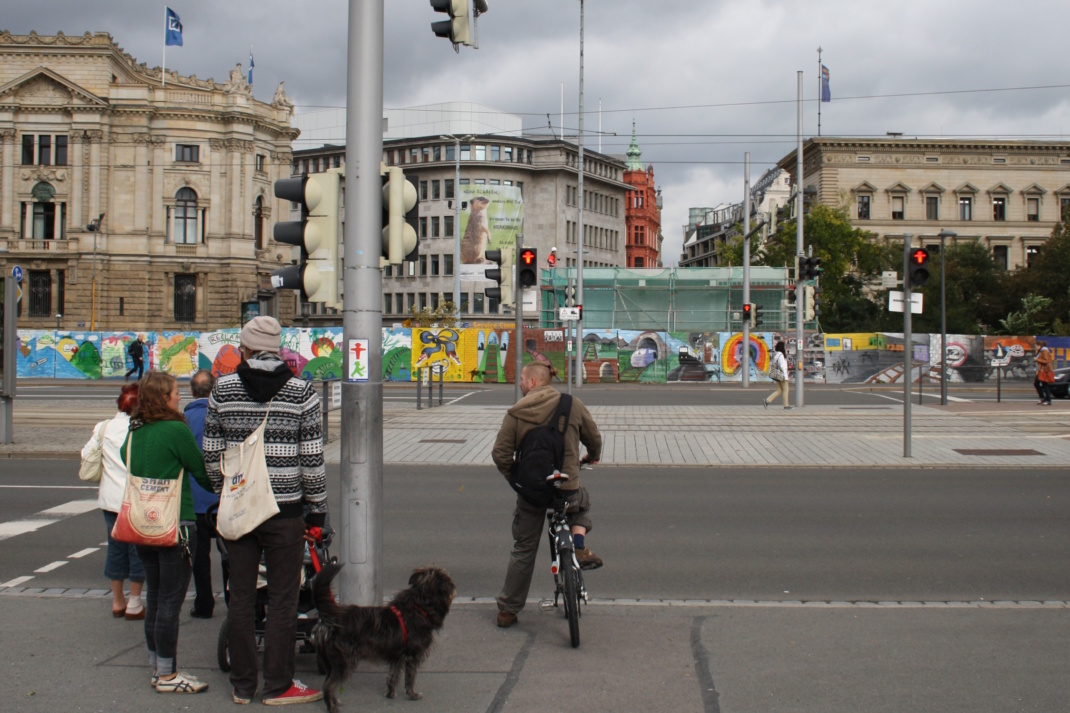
{"x": 524, "y": 439}
{"x": 136, "y": 350}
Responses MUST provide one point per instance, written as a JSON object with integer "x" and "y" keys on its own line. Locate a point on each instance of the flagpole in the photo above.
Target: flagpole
{"x": 820, "y": 90}
{"x": 163, "y": 64}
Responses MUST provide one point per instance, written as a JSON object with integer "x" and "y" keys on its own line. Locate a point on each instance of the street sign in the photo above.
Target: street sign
{"x": 889, "y": 278}
{"x": 336, "y": 395}
{"x": 896, "y": 301}
{"x": 568, "y": 314}
{"x": 16, "y": 272}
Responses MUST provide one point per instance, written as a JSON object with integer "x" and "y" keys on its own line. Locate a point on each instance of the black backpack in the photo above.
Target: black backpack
{"x": 135, "y": 349}
{"x": 541, "y": 453}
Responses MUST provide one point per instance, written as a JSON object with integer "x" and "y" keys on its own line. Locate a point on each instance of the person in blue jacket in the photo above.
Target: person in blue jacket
{"x": 200, "y": 387}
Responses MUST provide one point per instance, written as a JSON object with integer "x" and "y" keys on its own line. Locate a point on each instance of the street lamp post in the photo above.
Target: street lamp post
{"x": 457, "y": 218}
{"x": 944, "y": 234}
{"x": 94, "y": 227}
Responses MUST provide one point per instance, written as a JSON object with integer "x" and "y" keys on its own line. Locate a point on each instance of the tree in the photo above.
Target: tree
{"x": 973, "y": 290}
{"x": 1029, "y": 320}
{"x": 445, "y": 315}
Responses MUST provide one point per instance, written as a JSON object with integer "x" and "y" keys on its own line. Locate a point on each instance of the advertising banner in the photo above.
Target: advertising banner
{"x": 491, "y": 216}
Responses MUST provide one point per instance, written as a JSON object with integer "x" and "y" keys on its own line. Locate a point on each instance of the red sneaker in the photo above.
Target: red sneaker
{"x": 298, "y": 693}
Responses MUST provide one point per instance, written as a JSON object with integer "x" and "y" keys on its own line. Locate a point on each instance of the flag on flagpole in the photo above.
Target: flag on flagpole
{"x": 173, "y": 30}
{"x": 251, "y": 65}
{"x": 826, "y": 93}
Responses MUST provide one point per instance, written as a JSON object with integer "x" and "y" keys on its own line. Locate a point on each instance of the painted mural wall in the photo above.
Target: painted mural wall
{"x": 487, "y": 355}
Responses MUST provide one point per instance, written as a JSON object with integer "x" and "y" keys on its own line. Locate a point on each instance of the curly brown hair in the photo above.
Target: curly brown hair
{"x": 154, "y": 392}
{"x": 127, "y": 400}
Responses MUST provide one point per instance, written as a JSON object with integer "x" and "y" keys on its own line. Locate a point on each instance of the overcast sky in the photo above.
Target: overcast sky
{"x": 705, "y": 80}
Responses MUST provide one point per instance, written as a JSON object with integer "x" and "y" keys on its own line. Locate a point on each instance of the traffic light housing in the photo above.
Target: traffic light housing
{"x": 748, "y": 314}
{"x": 809, "y": 268}
{"x": 502, "y": 275}
{"x": 528, "y": 267}
{"x": 456, "y": 29}
{"x": 791, "y": 297}
{"x": 316, "y": 233}
{"x": 401, "y": 210}
{"x": 756, "y": 315}
{"x": 918, "y": 267}
{"x": 810, "y": 310}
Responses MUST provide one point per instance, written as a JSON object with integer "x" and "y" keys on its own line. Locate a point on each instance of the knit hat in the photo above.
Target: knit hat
{"x": 261, "y": 334}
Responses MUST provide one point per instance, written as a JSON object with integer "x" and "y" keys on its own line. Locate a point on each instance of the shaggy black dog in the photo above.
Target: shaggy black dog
{"x": 400, "y": 634}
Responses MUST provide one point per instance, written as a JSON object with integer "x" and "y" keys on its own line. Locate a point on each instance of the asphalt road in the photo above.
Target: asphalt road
{"x": 673, "y": 533}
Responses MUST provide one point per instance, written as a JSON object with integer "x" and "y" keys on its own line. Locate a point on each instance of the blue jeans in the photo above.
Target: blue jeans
{"x": 122, "y": 561}
{"x": 167, "y": 575}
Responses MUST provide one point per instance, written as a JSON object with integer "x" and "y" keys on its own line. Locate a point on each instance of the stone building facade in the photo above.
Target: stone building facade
{"x": 546, "y": 172}
{"x": 642, "y": 212}
{"x": 1007, "y": 195}
{"x": 157, "y": 189}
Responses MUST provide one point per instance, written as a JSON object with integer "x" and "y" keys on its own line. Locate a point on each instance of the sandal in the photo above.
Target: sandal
{"x": 135, "y": 615}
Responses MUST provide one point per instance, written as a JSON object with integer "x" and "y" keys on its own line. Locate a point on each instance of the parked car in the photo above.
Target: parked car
{"x": 1061, "y": 388}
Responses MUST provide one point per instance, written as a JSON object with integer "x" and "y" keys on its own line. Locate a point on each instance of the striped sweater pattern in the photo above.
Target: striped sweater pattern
{"x": 293, "y": 439}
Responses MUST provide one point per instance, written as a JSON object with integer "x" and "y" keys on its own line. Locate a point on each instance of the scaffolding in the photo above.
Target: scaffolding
{"x": 688, "y": 299}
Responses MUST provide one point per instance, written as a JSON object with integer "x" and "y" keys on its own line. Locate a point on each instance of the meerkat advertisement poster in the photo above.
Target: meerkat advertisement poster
{"x": 491, "y": 216}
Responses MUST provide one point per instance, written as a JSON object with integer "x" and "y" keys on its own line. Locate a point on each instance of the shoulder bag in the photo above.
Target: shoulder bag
{"x": 150, "y": 511}
{"x": 246, "y": 500}
{"x": 776, "y": 372}
{"x": 92, "y": 467}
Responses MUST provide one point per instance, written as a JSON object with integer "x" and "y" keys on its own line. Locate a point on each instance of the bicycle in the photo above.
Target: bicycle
{"x": 568, "y": 578}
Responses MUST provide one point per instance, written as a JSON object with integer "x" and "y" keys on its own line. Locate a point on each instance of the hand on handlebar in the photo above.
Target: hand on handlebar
{"x": 314, "y": 534}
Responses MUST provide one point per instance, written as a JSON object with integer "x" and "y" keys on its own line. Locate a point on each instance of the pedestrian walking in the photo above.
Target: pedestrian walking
{"x": 536, "y": 408}
{"x": 204, "y": 500}
{"x": 1045, "y": 373}
{"x": 161, "y": 446}
{"x": 778, "y": 372}
{"x": 238, "y": 405}
{"x": 136, "y": 351}
{"x": 122, "y": 562}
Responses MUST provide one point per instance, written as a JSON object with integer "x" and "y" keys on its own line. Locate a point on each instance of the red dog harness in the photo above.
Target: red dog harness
{"x": 404, "y": 629}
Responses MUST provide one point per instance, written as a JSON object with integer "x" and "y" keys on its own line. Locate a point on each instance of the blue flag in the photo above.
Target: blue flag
{"x": 826, "y": 93}
{"x": 251, "y": 65}
{"x": 173, "y": 31}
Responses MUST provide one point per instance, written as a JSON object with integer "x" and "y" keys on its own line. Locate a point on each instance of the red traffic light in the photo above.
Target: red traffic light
{"x": 746, "y": 309}
{"x": 527, "y": 257}
{"x": 919, "y": 256}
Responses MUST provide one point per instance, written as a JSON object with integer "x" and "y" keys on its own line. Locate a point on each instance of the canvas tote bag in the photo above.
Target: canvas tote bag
{"x": 247, "y": 499}
{"x": 150, "y": 510}
{"x": 92, "y": 467}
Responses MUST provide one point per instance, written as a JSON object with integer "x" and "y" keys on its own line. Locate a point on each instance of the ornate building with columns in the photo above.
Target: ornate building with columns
{"x": 134, "y": 200}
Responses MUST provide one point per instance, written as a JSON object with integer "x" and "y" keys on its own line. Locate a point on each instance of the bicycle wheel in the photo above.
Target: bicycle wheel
{"x": 571, "y": 581}
{"x": 223, "y": 647}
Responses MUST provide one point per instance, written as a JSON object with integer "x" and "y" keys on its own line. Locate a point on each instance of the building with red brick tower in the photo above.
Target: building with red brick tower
{"x": 642, "y": 214}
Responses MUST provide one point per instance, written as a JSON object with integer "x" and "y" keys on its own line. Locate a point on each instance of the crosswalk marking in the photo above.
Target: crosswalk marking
{"x": 44, "y": 518}
{"x": 50, "y": 567}
{"x": 16, "y": 581}
{"x": 82, "y": 553}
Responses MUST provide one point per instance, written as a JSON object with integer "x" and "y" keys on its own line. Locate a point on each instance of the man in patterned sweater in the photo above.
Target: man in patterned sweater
{"x": 264, "y": 386}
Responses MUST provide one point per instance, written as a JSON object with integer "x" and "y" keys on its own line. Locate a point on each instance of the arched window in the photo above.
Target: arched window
{"x": 258, "y": 223}
{"x": 186, "y": 217}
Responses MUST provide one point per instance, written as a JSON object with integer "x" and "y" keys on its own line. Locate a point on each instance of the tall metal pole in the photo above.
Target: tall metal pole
{"x": 7, "y": 389}
{"x": 579, "y": 252}
{"x": 800, "y": 337}
{"x": 518, "y": 308}
{"x": 457, "y": 226}
{"x": 944, "y": 234}
{"x": 908, "y": 345}
{"x": 820, "y": 92}
{"x": 746, "y": 266}
{"x": 360, "y": 581}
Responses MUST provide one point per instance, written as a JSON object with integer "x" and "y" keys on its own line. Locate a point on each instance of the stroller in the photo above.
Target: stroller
{"x": 316, "y": 555}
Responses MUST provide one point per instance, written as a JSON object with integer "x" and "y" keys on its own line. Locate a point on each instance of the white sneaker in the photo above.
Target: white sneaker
{"x": 181, "y": 683}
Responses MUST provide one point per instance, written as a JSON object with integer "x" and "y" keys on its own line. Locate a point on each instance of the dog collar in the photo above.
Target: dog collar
{"x": 404, "y": 629}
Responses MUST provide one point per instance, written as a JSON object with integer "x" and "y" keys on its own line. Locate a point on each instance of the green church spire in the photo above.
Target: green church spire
{"x": 634, "y": 153}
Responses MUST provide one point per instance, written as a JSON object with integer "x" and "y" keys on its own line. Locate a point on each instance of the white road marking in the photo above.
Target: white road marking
{"x": 46, "y": 517}
{"x": 53, "y": 487}
{"x": 82, "y": 553}
{"x": 50, "y": 567}
{"x": 16, "y": 581}
{"x": 74, "y": 507}
{"x": 21, "y": 527}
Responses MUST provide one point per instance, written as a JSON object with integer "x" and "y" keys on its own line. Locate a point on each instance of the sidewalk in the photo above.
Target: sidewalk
{"x": 962, "y": 434}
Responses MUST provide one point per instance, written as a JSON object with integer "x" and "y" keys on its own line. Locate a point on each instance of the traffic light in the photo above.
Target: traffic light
{"x": 528, "y": 272}
{"x": 756, "y": 315}
{"x": 400, "y": 215}
{"x": 809, "y": 268}
{"x": 810, "y": 310}
{"x": 792, "y": 298}
{"x": 317, "y": 234}
{"x": 748, "y": 314}
{"x": 502, "y": 275}
{"x": 455, "y": 29}
{"x": 918, "y": 269}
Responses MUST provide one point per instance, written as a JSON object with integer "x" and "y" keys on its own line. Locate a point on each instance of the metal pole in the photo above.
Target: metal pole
{"x": 944, "y": 234}
{"x": 579, "y": 252}
{"x": 800, "y": 337}
{"x": 518, "y": 308}
{"x": 7, "y": 389}
{"x": 820, "y": 93}
{"x": 746, "y": 266}
{"x": 908, "y": 345}
{"x": 361, "y": 467}
{"x": 457, "y": 226}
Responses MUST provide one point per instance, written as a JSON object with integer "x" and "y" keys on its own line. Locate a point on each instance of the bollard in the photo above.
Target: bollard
{"x": 999, "y": 385}
{"x": 325, "y": 408}
{"x": 441, "y": 378}
{"x": 419, "y": 389}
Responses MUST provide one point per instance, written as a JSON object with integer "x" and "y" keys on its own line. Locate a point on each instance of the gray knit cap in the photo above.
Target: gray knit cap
{"x": 261, "y": 334}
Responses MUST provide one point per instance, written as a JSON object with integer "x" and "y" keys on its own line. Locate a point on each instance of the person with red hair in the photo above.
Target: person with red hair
{"x": 122, "y": 562}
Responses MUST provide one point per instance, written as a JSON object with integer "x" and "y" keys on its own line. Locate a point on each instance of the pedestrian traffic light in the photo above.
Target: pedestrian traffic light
{"x": 792, "y": 297}
{"x": 756, "y": 315}
{"x": 528, "y": 267}
{"x": 809, "y": 303}
{"x": 748, "y": 314}
{"x": 400, "y": 215}
{"x": 316, "y": 233}
{"x": 809, "y": 268}
{"x": 501, "y": 275}
{"x": 455, "y": 29}
{"x": 918, "y": 268}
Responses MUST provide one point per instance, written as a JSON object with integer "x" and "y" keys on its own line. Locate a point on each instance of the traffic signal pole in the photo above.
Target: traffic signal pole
{"x": 361, "y": 467}
{"x": 746, "y": 266}
{"x": 908, "y": 344}
{"x": 800, "y": 336}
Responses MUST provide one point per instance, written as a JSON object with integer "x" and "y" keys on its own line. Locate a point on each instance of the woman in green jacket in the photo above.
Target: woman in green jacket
{"x": 162, "y": 446}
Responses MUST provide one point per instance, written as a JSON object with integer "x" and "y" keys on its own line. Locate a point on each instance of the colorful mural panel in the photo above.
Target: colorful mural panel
{"x": 219, "y": 352}
{"x": 78, "y": 355}
{"x": 397, "y": 354}
{"x": 35, "y": 357}
{"x": 175, "y": 353}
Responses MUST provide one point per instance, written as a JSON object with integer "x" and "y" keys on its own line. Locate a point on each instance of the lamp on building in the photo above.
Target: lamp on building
{"x": 59, "y": 316}
{"x": 94, "y": 227}
{"x": 943, "y": 235}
